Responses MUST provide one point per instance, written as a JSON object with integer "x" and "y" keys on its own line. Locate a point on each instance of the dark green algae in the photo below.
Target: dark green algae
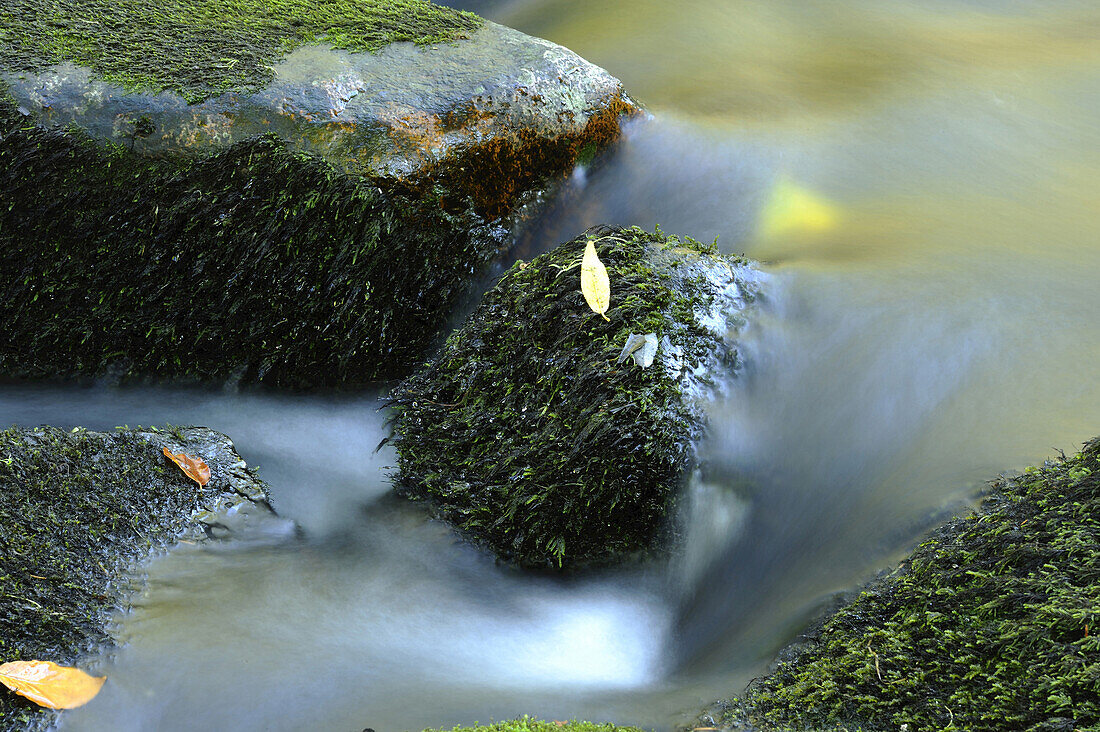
{"x": 527, "y": 436}
{"x": 77, "y": 508}
{"x": 256, "y": 264}
{"x": 991, "y": 624}
{"x": 200, "y": 48}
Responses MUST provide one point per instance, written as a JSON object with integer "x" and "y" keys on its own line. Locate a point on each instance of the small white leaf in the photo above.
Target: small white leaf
{"x": 633, "y": 342}
{"x": 644, "y": 356}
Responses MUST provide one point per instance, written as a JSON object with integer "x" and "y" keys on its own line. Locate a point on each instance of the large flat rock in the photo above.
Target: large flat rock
{"x": 401, "y": 112}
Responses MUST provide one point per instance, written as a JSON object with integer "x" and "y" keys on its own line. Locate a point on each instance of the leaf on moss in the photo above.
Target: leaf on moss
{"x": 49, "y": 685}
{"x": 595, "y": 286}
{"x": 194, "y": 467}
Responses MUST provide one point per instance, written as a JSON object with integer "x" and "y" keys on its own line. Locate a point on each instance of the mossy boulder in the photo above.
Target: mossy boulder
{"x": 78, "y": 509}
{"x": 286, "y": 192}
{"x": 529, "y": 724}
{"x": 991, "y": 624}
{"x": 528, "y": 433}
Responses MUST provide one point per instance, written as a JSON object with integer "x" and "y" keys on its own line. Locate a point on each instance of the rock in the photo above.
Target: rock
{"x": 79, "y": 509}
{"x": 529, "y": 437}
{"x": 264, "y": 206}
{"x": 531, "y": 724}
{"x": 988, "y": 625}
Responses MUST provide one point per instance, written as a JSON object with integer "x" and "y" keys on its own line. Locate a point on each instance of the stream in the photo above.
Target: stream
{"x": 921, "y": 183}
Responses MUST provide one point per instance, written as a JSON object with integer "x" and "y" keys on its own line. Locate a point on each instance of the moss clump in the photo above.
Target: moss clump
{"x": 527, "y": 724}
{"x": 259, "y": 263}
{"x": 524, "y": 432}
{"x": 75, "y": 508}
{"x": 204, "y": 47}
{"x": 990, "y": 625}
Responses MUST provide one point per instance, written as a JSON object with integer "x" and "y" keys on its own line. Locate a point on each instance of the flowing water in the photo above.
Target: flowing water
{"x": 920, "y": 180}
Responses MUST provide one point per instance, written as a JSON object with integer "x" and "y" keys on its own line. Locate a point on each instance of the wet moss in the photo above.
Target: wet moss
{"x": 527, "y": 436}
{"x": 76, "y": 508}
{"x": 990, "y": 625}
{"x": 527, "y": 724}
{"x": 204, "y": 47}
{"x": 259, "y": 264}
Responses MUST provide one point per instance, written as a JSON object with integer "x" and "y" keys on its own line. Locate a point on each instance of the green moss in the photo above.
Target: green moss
{"x": 524, "y": 432}
{"x": 75, "y": 507}
{"x": 259, "y": 263}
{"x": 204, "y": 47}
{"x": 527, "y": 724}
{"x": 497, "y": 172}
{"x": 990, "y": 625}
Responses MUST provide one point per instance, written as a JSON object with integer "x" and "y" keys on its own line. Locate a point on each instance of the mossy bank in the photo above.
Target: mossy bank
{"x": 528, "y": 724}
{"x": 991, "y": 624}
{"x": 290, "y": 193}
{"x": 529, "y": 433}
{"x": 78, "y": 509}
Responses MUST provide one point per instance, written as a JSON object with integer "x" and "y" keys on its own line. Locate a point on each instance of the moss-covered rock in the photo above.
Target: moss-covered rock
{"x": 991, "y": 624}
{"x": 77, "y": 509}
{"x": 282, "y": 192}
{"x": 530, "y": 436}
{"x": 257, "y": 264}
{"x": 204, "y": 47}
{"x": 527, "y": 724}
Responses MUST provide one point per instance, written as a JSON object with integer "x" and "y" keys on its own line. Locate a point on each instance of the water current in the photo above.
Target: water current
{"x": 920, "y": 182}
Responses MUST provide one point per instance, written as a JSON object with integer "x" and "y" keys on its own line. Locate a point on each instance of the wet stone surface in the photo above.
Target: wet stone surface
{"x": 399, "y": 113}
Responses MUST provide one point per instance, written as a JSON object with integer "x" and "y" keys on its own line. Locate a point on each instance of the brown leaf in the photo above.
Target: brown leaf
{"x": 195, "y": 468}
{"x": 49, "y": 685}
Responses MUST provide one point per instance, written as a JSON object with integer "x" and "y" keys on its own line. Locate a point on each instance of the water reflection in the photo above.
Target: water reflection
{"x": 763, "y": 62}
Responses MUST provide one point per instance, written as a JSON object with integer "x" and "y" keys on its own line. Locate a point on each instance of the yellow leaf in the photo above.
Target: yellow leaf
{"x": 49, "y": 685}
{"x": 595, "y": 286}
{"x": 795, "y": 210}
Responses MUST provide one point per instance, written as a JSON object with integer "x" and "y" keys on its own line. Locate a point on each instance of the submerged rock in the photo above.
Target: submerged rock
{"x": 531, "y": 436}
{"x": 989, "y": 625}
{"x": 78, "y": 509}
{"x": 285, "y": 197}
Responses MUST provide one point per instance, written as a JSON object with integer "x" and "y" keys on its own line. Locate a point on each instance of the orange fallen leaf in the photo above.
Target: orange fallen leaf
{"x": 49, "y": 685}
{"x": 195, "y": 468}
